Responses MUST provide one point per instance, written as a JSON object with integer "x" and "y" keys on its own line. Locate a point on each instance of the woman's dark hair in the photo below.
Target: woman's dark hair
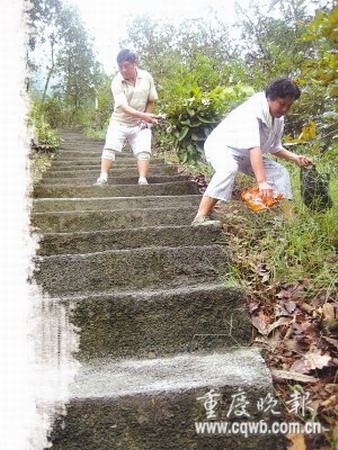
{"x": 125, "y": 55}
{"x": 282, "y": 87}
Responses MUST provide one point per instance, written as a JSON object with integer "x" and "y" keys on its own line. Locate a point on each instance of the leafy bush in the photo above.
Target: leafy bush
{"x": 104, "y": 104}
{"x": 53, "y": 111}
{"x": 193, "y": 114}
{"x": 43, "y": 138}
{"x": 95, "y": 133}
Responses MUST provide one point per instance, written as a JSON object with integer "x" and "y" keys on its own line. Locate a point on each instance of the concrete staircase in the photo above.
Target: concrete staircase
{"x": 160, "y": 324}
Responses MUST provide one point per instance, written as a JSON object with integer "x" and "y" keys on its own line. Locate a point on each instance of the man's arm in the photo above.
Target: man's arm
{"x": 149, "y": 107}
{"x": 290, "y": 156}
{"x": 148, "y": 117}
{"x": 258, "y": 169}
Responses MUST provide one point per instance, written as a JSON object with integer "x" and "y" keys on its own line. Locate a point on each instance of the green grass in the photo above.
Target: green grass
{"x": 39, "y": 163}
{"x": 95, "y": 133}
{"x": 304, "y": 248}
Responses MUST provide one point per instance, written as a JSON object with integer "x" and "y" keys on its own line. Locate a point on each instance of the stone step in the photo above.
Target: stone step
{"x": 155, "y": 404}
{"x": 112, "y": 203}
{"x": 141, "y": 268}
{"x": 161, "y": 322}
{"x": 116, "y": 171}
{"x": 68, "y": 221}
{"x": 81, "y": 146}
{"x": 70, "y": 155}
{"x": 92, "y": 164}
{"x": 113, "y": 179}
{"x": 83, "y": 152}
{"x": 87, "y": 161}
{"x": 64, "y": 191}
{"x": 99, "y": 241}
{"x": 79, "y": 140}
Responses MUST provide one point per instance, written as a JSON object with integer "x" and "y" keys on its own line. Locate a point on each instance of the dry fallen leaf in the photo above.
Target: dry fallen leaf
{"x": 290, "y": 375}
{"x": 298, "y": 441}
{"x": 328, "y": 312}
{"x": 261, "y": 323}
{"x": 311, "y": 361}
{"x": 281, "y": 321}
{"x": 306, "y": 307}
{"x": 331, "y": 340}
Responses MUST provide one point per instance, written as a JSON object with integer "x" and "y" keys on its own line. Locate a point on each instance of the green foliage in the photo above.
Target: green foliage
{"x": 270, "y": 44}
{"x": 192, "y": 114}
{"x": 69, "y": 62}
{"x": 39, "y": 164}
{"x": 44, "y": 138}
{"x": 53, "y": 110}
{"x": 189, "y": 38}
{"x": 104, "y": 106}
{"x": 320, "y": 74}
{"x": 192, "y": 73}
{"x": 95, "y": 133}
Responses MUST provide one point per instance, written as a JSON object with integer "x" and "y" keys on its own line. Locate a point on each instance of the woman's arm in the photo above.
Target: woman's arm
{"x": 258, "y": 169}
{"x": 290, "y": 156}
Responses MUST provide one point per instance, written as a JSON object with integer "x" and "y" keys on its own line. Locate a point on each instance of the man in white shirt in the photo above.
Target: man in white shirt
{"x": 239, "y": 142}
{"x": 134, "y": 96}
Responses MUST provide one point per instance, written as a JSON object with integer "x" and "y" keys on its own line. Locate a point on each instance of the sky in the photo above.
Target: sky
{"x": 107, "y": 19}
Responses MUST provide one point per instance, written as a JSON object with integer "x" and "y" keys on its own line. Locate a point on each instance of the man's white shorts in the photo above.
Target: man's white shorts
{"x": 139, "y": 139}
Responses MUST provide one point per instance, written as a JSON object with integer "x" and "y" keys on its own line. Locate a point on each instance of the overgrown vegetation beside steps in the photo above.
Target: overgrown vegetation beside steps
{"x": 289, "y": 271}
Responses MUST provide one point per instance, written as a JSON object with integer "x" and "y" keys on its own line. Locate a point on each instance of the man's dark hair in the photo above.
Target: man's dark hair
{"x": 282, "y": 87}
{"x": 125, "y": 55}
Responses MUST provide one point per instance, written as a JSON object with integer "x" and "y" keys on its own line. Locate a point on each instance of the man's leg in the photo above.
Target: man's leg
{"x": 140, "y": 142}
{"x": 143, "y": 163}
{"x": 115, "y": 138}
{"x": 108, "y": 158}
{"x": 106, "y": 165}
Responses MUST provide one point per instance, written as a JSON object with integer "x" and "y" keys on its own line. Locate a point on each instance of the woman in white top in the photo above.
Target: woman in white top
{"x": 239, "y": 142}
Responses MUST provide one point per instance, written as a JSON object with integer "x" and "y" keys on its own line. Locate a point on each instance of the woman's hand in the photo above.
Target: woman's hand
{"x": 302, "y": 161}
{"x": 265, "y": 190}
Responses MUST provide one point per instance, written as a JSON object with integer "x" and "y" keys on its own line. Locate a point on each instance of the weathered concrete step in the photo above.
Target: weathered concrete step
{"x": 87, "y": 160}
{"x": 92, "y": 164}
{"x": 67, "y": 221}
{"x": 142, "y": 268}
{"x": 90, "y": 204}
{"x": 116, "y": 171}
{"x": 154, "y": 404}
{"x": 113, "y": 179}
{"x": 69, "y": 155}
{"x": 81, "y": 149}
{"x": 64, "y": 191}
{"x": 85, "y": 152}
{"x": 80, "y": 146}
{"x": 99, "y": 241}
{"x": 161, "y": 322}
{"x": 78, "y": 142}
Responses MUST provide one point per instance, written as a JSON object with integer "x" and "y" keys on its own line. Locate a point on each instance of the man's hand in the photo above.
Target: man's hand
{"x": 265, "y": 190}
{"x": 302, "y": 161}
{"x": 151, "y": 118}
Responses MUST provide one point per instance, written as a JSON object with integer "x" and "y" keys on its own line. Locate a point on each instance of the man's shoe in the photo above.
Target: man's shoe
{"x": 142, "y": 182}
{"x": 204, "y": 221}
{"x": 100, "y": 182}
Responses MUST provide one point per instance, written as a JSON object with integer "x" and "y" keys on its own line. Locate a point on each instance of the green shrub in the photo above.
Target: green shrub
{"x": 193, "y": 113}
{"x": 95, "y": 133}
{"x": 43, "y": 139}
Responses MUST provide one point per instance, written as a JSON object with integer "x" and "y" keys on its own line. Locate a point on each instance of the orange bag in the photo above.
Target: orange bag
{"x": 256, "y": 202}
